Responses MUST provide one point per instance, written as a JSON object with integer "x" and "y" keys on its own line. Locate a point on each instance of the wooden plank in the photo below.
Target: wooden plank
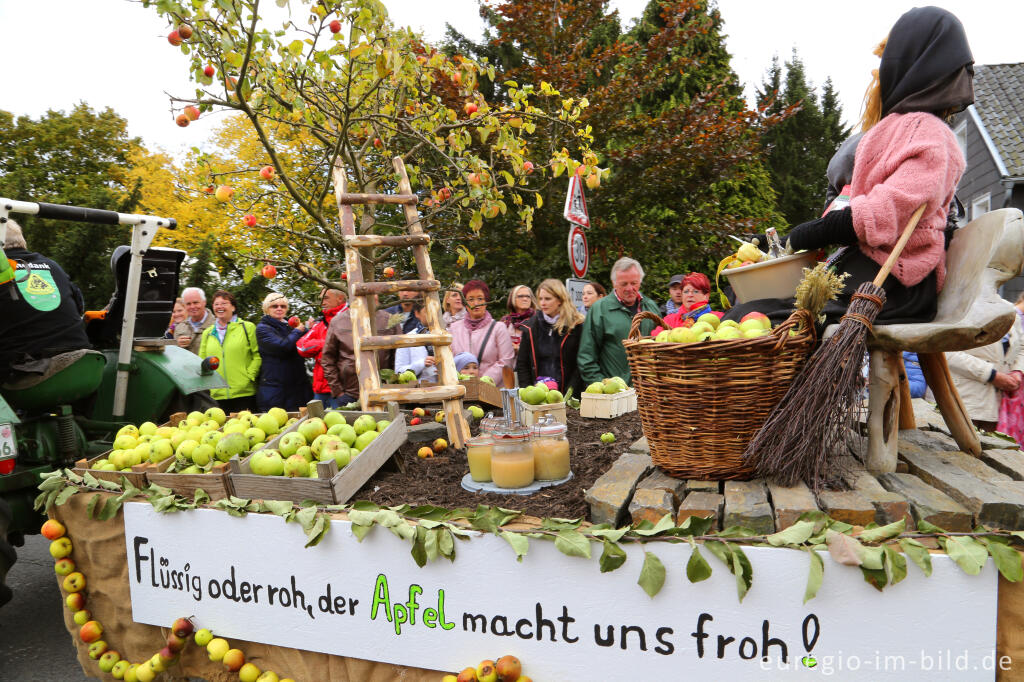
{"x": 216, "y": 483}
{"x": 929, "y": 504}
{"x": 746, "y": 504}
{"x": 347, "y": 199}
{"x": 392, "y": 287}
{"x": 790, "y": 502}
{"x": 418, "y": 395}
{"x": 371, "y": 240}
{"x": 847, "y": 506}
{"x": 701, "y": 504}
{"x": 993, "y": 506}
{"x": 362, "y": 468}
{"x": 907, "y": 420}
{"x": 406, "y": 341}
{"x": 1009, "y": 462}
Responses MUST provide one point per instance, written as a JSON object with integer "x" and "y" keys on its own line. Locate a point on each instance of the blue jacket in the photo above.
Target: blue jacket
{"x": 915, "y": 377}
{"x": 283, "y": 380}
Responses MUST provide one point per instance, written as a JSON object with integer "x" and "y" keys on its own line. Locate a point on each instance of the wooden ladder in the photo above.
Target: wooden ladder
{"x": 365, "y": 344}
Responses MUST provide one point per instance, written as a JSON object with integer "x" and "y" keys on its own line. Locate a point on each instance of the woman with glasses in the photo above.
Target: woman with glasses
{"x": 521, "y": 305}
{"x": 283, "y": 381}
{"x": 551, "y": 340}
{"x": 233, "y": 342}
{"x": 487, "y": 339}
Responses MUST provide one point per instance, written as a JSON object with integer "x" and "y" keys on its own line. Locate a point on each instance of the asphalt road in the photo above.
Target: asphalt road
{"x": 34, "y": 644}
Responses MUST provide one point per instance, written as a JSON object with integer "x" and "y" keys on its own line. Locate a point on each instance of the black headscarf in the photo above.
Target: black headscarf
{"x": 924, "y": 62}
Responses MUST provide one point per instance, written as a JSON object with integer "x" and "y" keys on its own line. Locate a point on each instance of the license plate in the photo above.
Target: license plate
{"x": 8, "y": 448}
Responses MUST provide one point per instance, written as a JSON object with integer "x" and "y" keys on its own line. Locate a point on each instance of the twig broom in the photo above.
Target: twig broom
{"x": 799, "y": 439}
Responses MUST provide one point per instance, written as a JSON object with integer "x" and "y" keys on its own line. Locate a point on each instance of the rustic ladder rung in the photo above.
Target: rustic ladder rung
{"x": 364, "y": 241}
{"x": 404, "y": 341}
{"x": 353, "y": 199}
{"x": 416, "y": 395}
{"x": 370, "y": 288}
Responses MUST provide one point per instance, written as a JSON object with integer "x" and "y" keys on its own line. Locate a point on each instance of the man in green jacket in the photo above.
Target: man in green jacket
{"x": 601, "y": 352}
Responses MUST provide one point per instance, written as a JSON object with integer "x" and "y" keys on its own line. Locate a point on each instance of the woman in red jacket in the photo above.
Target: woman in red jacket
{"x": 332, "y": 302}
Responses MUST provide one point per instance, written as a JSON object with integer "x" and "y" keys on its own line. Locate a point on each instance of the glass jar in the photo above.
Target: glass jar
{"x": 550, "y": 448}
{"x": 511, "y": 457}
{"x": 478, "y": 452}
{"x": 489, "y": 423}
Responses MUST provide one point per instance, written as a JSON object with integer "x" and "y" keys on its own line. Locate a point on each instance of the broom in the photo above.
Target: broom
{"x": 799, "y": 439}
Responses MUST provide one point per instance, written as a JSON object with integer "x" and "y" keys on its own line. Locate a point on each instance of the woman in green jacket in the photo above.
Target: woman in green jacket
{"x": 233, "y": 343}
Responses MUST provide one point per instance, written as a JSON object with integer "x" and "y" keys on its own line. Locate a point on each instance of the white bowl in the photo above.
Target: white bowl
{"x": 777, "y": 278}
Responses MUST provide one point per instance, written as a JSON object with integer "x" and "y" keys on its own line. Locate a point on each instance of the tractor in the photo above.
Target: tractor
{"x": 71, "y": 407}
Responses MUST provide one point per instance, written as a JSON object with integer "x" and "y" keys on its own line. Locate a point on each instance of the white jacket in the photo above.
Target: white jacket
{"x": 414, "y": 358}
{"x": 971, "y": 370}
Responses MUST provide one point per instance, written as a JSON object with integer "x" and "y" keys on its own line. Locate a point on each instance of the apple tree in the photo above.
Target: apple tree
{"x": 326, "y": 83}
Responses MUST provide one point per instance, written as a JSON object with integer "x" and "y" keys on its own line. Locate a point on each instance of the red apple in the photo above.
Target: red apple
{"x": 209, "y": 71}
{"x": 456, "y": 78}
{"x": 185, "y": 31}
{"x": 52, "y": 529}
{"x": 64, "y": 566}
{"x": 344, "y": 275}
{"x": 223, "y": 193}
{"x": 182, "y": 627}
{"x": 389, "y": 271}
{"x": 473, "y": 179}
{"x": 174, "y": 38}
{"x": 444, "y": 194}
{"x": 209, "y": 189}
{"x": 594, "y": 180}
{"x": 90, "y": 632}
{"x": 191, "y": 112}
{"x": 377, "y": 143}
{"x": 508, "y": 668}
{"x": 414, "y": 421}
{"x": 269, "y": 271}
{"x": 267, "y": 172}
{"x": 166, "y": 655}
{"x": 419, "y": 412}
{"x": 527, "y": 166}
{"x": 230, "y": 83}
{"x": 470, "y": 108}
{"x": 75, "y": 601}
{"x": 250, "y": 220}
{"x": 182, "y": 120}
{"x": 335, "y": 26}
{"x": 293, "y": 321}
{"x": 233, "y": 659}
{"x": 175, "y": 644}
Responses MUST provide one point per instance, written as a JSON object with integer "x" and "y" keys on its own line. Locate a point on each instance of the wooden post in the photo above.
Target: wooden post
{"x": 883, "y": 411}
{"x": 907, "y": 420}
{"x": 936, "y": 373}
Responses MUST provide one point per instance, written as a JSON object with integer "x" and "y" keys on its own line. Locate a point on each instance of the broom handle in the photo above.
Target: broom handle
{"x": 898, "y": 249}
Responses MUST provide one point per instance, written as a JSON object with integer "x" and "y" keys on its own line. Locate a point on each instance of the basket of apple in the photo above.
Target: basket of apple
{"x": 210, "y": 439}
{"x": 607, "y": 399}
{"x": 134, "y": 450}
{"x": 704, "y": 391}
{"x": 325, "y": 459}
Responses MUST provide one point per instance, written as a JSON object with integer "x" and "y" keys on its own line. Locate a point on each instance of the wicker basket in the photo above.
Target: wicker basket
{"x": 701, "y": 403}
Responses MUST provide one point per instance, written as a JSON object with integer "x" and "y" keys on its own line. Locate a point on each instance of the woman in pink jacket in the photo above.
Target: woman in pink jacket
{"x": 907, "y": 156}
{"x": 483, "y": 336}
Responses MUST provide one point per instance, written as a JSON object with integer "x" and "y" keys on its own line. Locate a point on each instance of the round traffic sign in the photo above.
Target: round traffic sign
{"x": 579, "y": 257}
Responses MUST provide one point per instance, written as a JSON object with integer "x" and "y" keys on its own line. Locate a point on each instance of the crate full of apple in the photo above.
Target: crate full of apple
{"x": 543, "y": 398}
{"x": 607, "y": 399}
{"x": 325, "y": 459}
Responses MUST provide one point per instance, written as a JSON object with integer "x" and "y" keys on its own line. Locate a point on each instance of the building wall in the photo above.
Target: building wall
{"x": 982, "y": 175}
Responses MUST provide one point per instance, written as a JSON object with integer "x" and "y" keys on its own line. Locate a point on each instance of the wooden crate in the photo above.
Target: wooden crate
{"x": 215, "y": 483}
{"x": 333, "y": 486}
{"x": 607, "y": 406}
{"x": 137, "y": 476}
{"x": 530, "y": 414}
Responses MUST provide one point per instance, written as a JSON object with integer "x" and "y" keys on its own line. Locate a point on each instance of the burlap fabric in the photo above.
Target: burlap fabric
{"x": 99, "y": 553}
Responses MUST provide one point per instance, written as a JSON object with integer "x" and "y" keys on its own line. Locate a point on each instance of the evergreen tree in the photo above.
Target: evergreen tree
{"x": 799, "y": 149}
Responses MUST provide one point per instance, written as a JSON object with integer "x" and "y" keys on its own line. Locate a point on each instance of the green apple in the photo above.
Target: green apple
{"x": 217, "y": 415}
{"x": 381, "y": 425}
{"x": 752, "y": 324}
{"x": 727, "y": 332}
{"x": 311, "y": 428}
{"x": 290, "y": 443}
{"x": 364, "y": 439}
{"x": 140, "y": 454}
{"x": 336, "y": 429}
{"x": 216, "y": 648}
{"x": 306, "y": 452}
{"x": 230, "y": 445}
{"x": 296, "y": 466}
{"x": 333, "y": 418}
{"x": 554, "y": 397}
{"x": 266, "y": 463}
{"x": 318, "y": 443}
{"x": 363, "y": 424}
{"x": 125, "y": 441}
{"x": 107, "y": 466}
{"x": 195, "y": 418}
{"x": 706, "y": 336}
{"x": 160, "y": 450}
{"x": 191, "y": 469}
{"x": 662, "y": 337}
{"x": 487, "y": 380}
{"x": 119, "y": 669}
{"x": 147, "y": 428}
{"x": 475, "y": 410}
{"x": 596, "y": 387}
{"x": 728, "y": 323}
{"x": 703, "y": 327}
{"x": 280, "y": 415}
{"x": 608, "y": 437}
{"x": 255, "y": 435}
{"x": 754, "y": 333}
{"x": 186, "y": 448}
{"x": 338, "y": 451}
{"x": 108, "y": 660}
{"x": 202, "y": 637}
{"x": 677, "y": 335}
{"x": 235, "y": 427}
{"x": 312, "y": 469}
{"x": 211, "y": 438}
{"x": 179, "y": 437}
{"x": 611, "y": 387}
{"x": 710, "y": 319}
{"x": 267, "y": 423}
{"x": 202, "y": 454}
{"x": 128, "y": 430}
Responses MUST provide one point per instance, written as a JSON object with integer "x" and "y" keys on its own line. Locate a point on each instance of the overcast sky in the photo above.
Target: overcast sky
{"x": 114, "y": 53}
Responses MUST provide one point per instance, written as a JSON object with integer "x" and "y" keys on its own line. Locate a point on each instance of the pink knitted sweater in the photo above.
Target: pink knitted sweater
{"x": 904, "y": 161}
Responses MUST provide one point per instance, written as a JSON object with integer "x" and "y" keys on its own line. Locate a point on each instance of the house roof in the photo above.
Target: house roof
{"x": 999, "y": 102}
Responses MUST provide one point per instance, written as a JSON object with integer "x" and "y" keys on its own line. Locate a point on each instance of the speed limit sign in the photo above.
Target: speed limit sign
{"x": 579, "y": 258}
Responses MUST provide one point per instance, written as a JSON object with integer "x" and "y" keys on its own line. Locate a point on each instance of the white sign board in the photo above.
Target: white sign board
{"x": 251, "y": 578}
{"x": 575, "y": 210}
{"x": 575, "y": 288}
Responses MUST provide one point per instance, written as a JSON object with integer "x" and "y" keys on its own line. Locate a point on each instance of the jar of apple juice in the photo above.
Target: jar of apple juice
{"x": 478, "y": 452}
{"x": 550, "y": 448}
{"x": 511, "y": 457}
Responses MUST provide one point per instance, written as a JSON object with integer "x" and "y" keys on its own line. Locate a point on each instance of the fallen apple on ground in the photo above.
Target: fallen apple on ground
{"x": 608, "y": 437}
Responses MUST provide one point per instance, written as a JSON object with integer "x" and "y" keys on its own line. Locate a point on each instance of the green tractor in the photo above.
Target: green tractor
{"x": 71, "y": 408}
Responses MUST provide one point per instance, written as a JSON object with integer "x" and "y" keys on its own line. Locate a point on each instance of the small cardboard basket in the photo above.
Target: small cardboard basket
{"x": 607, "y": 406}
{"x": 531, "y": 414}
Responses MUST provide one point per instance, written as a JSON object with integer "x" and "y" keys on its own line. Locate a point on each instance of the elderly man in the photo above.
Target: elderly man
{"x": 42, "y": 308}
{"x": 601, "y": 352}
{"x": 332, "y": 302}
{"x": 404, "y": 308}
{"x": 675, "y": 296}
{"x": 189, "y": 333}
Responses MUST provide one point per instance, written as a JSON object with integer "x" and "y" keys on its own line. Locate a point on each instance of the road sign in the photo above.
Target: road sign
{"x": 575, "y": 288}
{"x": 575, "y": 210}
{"x": 579, "y": 257}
